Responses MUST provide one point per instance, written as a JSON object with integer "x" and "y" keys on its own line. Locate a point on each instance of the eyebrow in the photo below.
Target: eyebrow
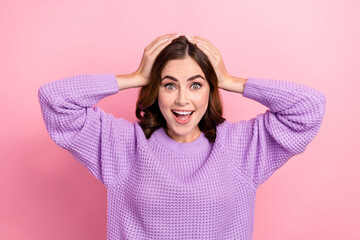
{"x": 190, "y": 79}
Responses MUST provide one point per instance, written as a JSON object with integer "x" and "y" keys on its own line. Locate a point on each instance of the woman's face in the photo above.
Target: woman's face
{"x": 183, "y": 88}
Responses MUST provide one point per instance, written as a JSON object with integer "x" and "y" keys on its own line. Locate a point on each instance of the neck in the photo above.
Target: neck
{"x": 185, "y": 139}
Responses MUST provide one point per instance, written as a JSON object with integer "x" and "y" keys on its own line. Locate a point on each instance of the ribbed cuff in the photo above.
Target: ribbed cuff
{"x": 104, "y": 84}
{"x": 257, "y": 89}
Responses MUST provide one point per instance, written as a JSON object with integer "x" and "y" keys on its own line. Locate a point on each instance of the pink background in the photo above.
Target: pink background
{"x": 47, "y": 194}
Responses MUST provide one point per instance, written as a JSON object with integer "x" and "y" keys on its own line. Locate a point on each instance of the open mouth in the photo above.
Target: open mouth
{"x": 182, "y": 116}
{"x": 182, "y": 113}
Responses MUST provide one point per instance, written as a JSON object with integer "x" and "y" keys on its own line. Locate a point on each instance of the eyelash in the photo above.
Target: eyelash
{"x": 197, "y": 84}
{"x": 168, "y": 84}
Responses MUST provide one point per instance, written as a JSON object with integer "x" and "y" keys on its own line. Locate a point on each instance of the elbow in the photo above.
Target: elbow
{"x": 315, "y": 119}
{"x": 315, "y": 110}
{"x": 309, "y": 115}
{"x": 322, "y": 103}
{"x": 42, "y": 93}
{"x": 319, "y": 107}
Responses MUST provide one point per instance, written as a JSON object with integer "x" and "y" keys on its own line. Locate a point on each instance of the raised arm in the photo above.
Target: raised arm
{"x": 263, "y": 144}
{"x": 131, "y": 80}
{"x": 103, "y": 144}
{"x": 91, "y": 135}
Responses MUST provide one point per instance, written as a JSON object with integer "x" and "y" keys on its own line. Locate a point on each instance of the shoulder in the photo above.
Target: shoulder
{"x": 227, "y": 127}
{"x": 139, "y": 133}
{"x": 122, "y": 129}
{"x": 228, "y": 131}
{"x": 222, "y": 131}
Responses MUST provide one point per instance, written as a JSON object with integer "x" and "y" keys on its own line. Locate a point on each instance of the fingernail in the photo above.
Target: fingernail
{"x": 189, "y": 37}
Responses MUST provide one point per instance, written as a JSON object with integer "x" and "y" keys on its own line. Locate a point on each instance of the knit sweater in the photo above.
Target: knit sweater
{"x": 158, "y": 188}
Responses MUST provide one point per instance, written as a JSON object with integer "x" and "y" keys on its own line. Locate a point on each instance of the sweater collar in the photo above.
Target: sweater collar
{"x": 196, "y": 146}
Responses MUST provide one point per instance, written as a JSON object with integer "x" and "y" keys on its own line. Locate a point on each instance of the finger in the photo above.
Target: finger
{"x": 156, "y": 44}
{"x": 202, "y": 40}
{"x": 207, "y": 51}
{"x": 160, "y": 40}
{"x": 207, "y": 43}
{"x": 156, "y": 40}
{"x": 160, "y": 46}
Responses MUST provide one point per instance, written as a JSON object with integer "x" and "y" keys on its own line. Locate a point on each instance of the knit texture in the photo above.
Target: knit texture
{"x": 161, "y": 189}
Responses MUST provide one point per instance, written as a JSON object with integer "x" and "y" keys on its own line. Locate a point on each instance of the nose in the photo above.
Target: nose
{"x": 182, "y": 97}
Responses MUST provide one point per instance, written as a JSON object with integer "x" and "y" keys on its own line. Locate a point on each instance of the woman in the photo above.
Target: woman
{"x": 182, "y": 171}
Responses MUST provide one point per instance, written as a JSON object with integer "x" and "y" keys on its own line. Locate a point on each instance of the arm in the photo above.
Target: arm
{"x": 102, "y": 143}
{"x": 131, "y": 80}
{"x": 233, "y": 84}
{"x": 91, "y": 135}
{"x": 263, "y": 144}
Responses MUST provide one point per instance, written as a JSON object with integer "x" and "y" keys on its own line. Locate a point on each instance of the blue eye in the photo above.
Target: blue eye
{"x": 197, "y": 84}
{"x": 169, "y": 84}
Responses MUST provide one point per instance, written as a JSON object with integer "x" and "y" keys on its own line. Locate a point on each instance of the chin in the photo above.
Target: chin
{"x": 177, "y": 129}
{"x": 182, "y": 130}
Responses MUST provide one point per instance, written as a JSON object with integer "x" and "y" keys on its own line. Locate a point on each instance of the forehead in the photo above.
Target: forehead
{"x": 182, "y": 67}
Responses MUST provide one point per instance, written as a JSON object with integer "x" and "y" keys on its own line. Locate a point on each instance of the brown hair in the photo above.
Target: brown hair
{"x": 147, "y": 102}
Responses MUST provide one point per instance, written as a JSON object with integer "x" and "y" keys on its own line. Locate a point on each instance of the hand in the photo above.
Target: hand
{"x": 149, "y": 55}
{"x": 215, "y": 58}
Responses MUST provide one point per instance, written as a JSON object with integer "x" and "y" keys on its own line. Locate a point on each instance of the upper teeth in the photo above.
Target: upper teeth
{"x": 182, "y": 112}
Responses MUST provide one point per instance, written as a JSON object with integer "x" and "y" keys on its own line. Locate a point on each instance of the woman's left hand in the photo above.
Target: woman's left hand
{"x": 214, "y": 56}
{"x": 225, "y": 80}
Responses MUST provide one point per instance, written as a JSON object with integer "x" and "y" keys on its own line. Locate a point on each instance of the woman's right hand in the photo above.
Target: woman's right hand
{"x": 150, "y": 54}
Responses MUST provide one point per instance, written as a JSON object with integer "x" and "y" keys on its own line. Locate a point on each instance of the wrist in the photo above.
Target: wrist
{"x": 131, "y": 80}
{"x": 234, "y": 84}
{"x": 138, "y": 78}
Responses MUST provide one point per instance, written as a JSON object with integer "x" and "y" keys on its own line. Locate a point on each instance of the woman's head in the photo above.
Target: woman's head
{"x": 168, "y": 89}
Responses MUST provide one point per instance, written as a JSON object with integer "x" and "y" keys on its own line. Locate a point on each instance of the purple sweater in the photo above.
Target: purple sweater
{"x": 161, "y": 189}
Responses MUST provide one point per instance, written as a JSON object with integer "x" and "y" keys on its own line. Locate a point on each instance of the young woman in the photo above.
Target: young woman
{"x": 182, "y": 171}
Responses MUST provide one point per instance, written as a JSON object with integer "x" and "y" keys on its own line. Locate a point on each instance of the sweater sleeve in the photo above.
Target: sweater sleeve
{"x": 99, "y": 141}
{"x": 265, "y": 143}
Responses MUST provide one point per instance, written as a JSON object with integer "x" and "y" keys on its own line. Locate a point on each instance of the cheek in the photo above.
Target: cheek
{"x": 201, "y": 100}
{"x": 164, "y": 100}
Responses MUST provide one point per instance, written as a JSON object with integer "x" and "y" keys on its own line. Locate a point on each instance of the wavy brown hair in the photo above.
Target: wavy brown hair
{"x": 147, "y": 108}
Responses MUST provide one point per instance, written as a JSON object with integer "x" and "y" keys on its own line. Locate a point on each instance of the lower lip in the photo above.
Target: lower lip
{"x": 182, "y": 121}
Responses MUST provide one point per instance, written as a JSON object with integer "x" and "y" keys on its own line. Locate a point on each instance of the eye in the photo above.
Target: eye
{"x": 197, "y": 85}
{"x": 171, "y": 86}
